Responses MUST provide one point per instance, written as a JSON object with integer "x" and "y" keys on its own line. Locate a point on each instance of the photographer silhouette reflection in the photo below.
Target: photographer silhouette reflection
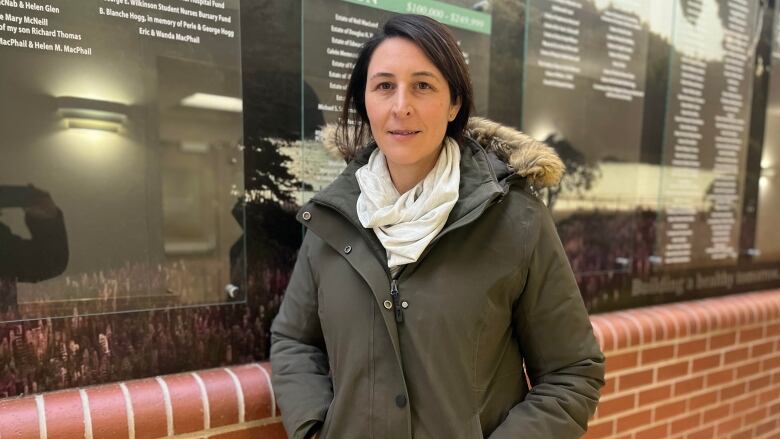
{"x": 44, "y": 255}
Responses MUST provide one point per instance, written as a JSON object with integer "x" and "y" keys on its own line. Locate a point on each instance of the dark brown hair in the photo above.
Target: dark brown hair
{"x": 439, "y": 45}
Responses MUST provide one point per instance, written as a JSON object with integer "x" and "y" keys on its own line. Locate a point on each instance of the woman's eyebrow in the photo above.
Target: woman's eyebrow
{"x": 382, "y": 75}
{"x": 425, "y": 73}
{"x": 390, "y": 75}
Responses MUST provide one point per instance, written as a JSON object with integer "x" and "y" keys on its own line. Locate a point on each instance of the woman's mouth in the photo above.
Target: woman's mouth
{"x": 403, "y": 134}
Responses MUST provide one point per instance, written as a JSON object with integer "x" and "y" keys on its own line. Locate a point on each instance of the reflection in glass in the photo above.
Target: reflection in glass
{"x": 142, "y": 159}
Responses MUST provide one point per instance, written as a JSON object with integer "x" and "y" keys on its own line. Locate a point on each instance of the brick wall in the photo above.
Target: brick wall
{"x": 228, "y": 403}
{"x": 701, "y": 369}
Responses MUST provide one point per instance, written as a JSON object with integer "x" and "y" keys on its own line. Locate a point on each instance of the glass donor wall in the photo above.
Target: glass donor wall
{"x": 153, "y": 155}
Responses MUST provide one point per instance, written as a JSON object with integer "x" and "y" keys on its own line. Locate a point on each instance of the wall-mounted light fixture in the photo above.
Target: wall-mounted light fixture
{"x": 213, "y": 102}
{"x": 92, "y": 114}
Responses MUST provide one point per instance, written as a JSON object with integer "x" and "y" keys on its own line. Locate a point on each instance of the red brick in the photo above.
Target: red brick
{"x": 257, "y": 394}
{"x": 774, "y": 409}
{"x": 773, "y": 330}
{"x": 633, "y": 421}
{"x": 108, "y": 411}
{"x": 735, "y": 355}
{"x": 722, "y": 340}
{"x": 609, "y": 386}
{"x": 655, "y": 394}
{"x": 729, "y": 318}
{"x": 148, "y": 408}
{"x": 762, "y": 349}
{"x": 616, "y": 405}
{"x": 636, "y": 379}
{"x": 673, "y": 371}
{"x": 687, "y": 423}
{"x": 729, "y": 426}
{"x": 64, "y": 414}
{"x": 759, "y": 383}
{"x": 601, "y": 327}
{"x": 747, "y": 335}
{"x": 653, "y": 432}
{"x": 266, "y": 366}
{"x": 718, "y": 412}
{"x": 628, "y": 332}
{"x": 768, "y": 395}
{"x": 600, "y": 430}
{"x": 688, "y": 385}
{"x": 655, "y": 326}
{"x": 691, "y": 347}
{"x": 186, "y": 402}
{"x": 703, "y": 400}
{"x": 744, "y": 434}
{"x": 744, "y": 404}
{"x": 18, "y": 418}
{"x": 732, "y": 391}
{"x": 755, "y": 416}
{"x": 706, "y": 433}
{"x": 771, "y": 363}
{"x": 765, "y": 427}
{"x": 660, "y": 353}
{"x": 669, "y": 410}
{"x": 223, "y": 399}
{"x": 719, "y": 377}
{"x": 686, "y": 325}
{"x": 705, "y": 363}
{"x": 669, "y": 330}
{"x": 618, "y": 362}
{"x": 748, "y": 369}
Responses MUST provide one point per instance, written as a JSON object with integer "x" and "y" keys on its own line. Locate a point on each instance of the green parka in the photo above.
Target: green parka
{"x": 439, "y": 352}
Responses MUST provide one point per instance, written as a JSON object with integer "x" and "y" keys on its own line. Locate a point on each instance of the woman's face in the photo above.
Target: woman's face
{"x": 408, "y": 104}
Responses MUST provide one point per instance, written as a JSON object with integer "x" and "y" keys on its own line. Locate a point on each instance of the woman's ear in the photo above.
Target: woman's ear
{"x": 454, "y": 109}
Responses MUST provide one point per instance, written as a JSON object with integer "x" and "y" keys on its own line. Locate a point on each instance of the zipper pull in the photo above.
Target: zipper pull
{"x": 399, "y": 316}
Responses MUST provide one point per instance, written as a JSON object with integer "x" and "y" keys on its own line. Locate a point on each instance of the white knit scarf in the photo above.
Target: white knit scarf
{"x": 406, "y": 224}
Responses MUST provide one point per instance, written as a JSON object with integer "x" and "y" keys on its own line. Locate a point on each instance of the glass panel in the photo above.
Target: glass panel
{"x": 584, "y": 94}
{"x": 119, "y": 161}
{"x": 767, "y": 246}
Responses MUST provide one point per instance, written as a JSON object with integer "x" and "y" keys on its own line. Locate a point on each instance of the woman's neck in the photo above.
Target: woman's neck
{"x": 405, "y": 177}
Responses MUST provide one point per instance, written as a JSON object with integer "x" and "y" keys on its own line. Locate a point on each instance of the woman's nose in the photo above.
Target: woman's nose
{"x": 402, "y": 106}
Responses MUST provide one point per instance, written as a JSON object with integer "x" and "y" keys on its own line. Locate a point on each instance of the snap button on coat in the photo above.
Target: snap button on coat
{"x": 404, "y": 304}
{"x": 306, "y": 215}
{"x": 347, "y": 249}
{"x": 400, "y": 401}
{"x": 388, "y": 304}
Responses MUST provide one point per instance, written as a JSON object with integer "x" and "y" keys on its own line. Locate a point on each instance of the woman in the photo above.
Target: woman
{"x": 429, "y": 272}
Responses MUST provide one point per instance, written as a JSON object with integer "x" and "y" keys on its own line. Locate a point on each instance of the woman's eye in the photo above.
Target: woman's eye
{"x": 384, "y": 86}
{"x": 424, "y": 85}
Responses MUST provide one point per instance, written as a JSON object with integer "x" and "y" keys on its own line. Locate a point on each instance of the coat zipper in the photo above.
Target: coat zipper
{"x": 399, "y": 314}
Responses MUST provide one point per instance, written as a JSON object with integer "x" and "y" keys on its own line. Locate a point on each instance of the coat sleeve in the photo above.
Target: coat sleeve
{"x": 300, "y": 371}
{"x": 562, "y": 358}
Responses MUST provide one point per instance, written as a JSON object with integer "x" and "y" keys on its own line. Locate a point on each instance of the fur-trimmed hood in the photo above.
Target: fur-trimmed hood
{"x": 527, "y": 156}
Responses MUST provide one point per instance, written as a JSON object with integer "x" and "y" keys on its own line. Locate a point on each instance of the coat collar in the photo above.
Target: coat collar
{"x": 492, "y": 156}
{"x": 479, "y": 180}
{"x": 529, "y": 158}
